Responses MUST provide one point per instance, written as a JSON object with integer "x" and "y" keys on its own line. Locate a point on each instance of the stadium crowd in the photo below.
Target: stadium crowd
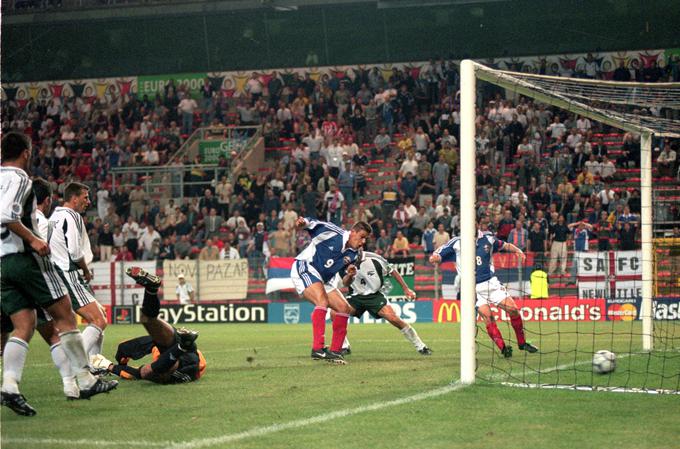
{"x": 546, "y": 176}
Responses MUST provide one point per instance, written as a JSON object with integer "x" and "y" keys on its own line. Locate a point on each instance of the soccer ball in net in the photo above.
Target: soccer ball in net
{"x": 604, "y": 362}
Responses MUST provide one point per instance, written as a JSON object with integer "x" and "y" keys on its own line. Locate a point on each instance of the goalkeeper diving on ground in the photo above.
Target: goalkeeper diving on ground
{"x": 176, "y": 359}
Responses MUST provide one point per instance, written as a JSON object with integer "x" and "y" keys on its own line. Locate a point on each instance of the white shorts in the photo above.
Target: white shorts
{"x": 79, "y": 291}
{"x": 303, "y": 275}
{"x": 491, "y": 292}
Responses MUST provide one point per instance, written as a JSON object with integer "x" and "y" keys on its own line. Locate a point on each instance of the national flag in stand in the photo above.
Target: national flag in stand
{"x": 278, "y": 274}
{"x": 516, "y": 279}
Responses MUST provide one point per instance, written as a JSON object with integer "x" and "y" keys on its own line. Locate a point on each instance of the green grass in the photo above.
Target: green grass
{"x": 261, "y": 375}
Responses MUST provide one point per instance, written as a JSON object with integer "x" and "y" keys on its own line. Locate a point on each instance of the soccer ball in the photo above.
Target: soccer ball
{"x": 604, "y": 362}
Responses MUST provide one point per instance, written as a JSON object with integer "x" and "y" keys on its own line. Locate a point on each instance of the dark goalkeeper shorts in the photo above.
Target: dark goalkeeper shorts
{"x": 368, "y": 303}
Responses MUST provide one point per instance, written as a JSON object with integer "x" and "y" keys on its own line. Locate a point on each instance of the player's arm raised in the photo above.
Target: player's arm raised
{"x": 349, "y": 275}
{"x": 513, "y": 249}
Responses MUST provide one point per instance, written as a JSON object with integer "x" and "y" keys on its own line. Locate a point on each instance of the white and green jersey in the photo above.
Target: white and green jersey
{"x": 371, "y": 273}
{"x": 68, "y": 239}
{"x": 17, "y": 203}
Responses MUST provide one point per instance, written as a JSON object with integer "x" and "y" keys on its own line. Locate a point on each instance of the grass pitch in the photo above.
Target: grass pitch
{"x": 261, "y": 390}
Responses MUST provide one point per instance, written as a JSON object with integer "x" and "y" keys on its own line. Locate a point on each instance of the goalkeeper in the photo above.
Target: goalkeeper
{"x": 176, "y": 358}
{"x": 366, "y": 280}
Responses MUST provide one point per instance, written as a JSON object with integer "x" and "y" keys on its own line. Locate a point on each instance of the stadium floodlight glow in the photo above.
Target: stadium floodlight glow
{"x": 625, "y": 106}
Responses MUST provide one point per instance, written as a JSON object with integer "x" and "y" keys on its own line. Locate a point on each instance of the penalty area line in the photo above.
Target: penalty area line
{"x": 265, "y": 430}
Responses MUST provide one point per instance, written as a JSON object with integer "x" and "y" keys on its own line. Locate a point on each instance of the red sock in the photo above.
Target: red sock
{"x": 318, "y": 327}
{"x": 519, "y": 329}
{"x": 495, "y": 334}
{"x": 339, "y": 331}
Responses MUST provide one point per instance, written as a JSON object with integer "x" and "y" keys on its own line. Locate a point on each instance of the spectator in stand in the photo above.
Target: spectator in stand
{"x": 131, "y": 234}
{"x": 441, "y": 236}
{"x": 118, "y": 238}
{"x": 137, "y": 200}
{"x": 213, "y": 223}
{"x": 402, "y": 219}
{"x": 105, "y": 243}
{"x": 183, "y": 248}
{"x": 428, "y": 239}
{"x": 333, "y": 202}
{"x": 224, "y": 190}
{"x": 582, "y": 232}
{"x": 400, "y": 246}
{"x": 186, "y": 109}
{"x": 381, "y": 144}
{"x": 383, "y": 244}
{"x": 506, "y": 224}
{"x": 347, "y": 184}
{"x": 518, "y": 236}
{"x": 441, "y": 173}
{"x": 228, "y": 252}
{"x": 149, "y": 243}
{"x": 604, "y": 230}
{"x": 410, "y": 165}
{"x": 167, "y": 249}
{"x": 537, "y": 244}
{"x": 559, "y": 234}
{"x": 627, "y": 236}
{"x": 622, "y": 73}
{"x": 408, "y": 187}
{"x": 210, "y": 251}
{"x": 666, "y": 161}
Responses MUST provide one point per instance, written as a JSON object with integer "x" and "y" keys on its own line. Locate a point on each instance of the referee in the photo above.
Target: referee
{"x": 366, "y": 285}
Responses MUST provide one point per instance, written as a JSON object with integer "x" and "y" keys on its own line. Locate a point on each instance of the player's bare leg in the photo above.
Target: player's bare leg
{"x": 387, "y": 312}
{"x": 72, "y": 344}
{"x": 93, "y": 335}
{"x": 14, "y": 358}
{"x": 509, "y": 305}
{"x": 51, "y": 336}
{"x": 493, "y": 331}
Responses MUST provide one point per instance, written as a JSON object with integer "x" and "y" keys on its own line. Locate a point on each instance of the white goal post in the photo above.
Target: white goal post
{"x": 575, "y": 95}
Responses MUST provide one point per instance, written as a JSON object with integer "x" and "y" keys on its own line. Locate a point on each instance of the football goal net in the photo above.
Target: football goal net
{"x": 584, "y": 192}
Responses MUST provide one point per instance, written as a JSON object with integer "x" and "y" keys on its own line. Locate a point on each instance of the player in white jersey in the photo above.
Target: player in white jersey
{"x": 70, "y": 248}
{"x": 43, "y": 198}
{"x": 366, "y": 294}
{"x": 28, "y": 281}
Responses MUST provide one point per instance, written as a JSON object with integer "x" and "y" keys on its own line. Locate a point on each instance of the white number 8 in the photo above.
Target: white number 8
{"x": 479, "y": 260}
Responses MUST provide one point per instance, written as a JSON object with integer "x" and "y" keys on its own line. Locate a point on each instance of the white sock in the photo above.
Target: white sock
{"x": 72, "y": 343}
{"x": 411, "y": 335}
{"x": 61, "y": 360}
{"x": 91, "y": 336}
{"x": 99, "y": 345}
{"x": 345, "y": 344}
{"x": 14, "y": 358}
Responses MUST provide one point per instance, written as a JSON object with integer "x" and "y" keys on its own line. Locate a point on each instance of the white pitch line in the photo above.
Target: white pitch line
{"x": 83, "y": 442}
{"x": 261, "y": 431}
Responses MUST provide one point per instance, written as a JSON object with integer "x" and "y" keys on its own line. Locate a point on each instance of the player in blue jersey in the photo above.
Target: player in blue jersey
{"x": 489, "y": 289}
{"x": 331, "y": 249}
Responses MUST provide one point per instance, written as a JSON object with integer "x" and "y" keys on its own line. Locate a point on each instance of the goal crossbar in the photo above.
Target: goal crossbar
{"x": 658, "y": 126}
